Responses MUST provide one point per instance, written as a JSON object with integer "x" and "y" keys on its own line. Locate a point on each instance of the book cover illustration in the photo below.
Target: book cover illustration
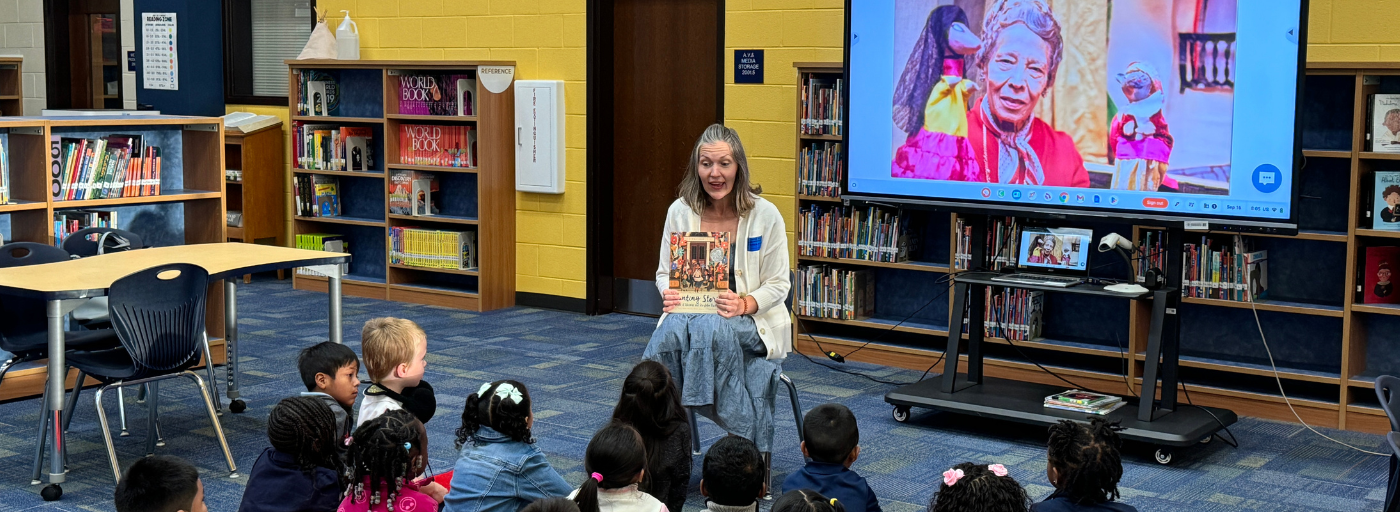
{"x": 1385, "y": 206}
{"x": 1384, "y": 129}
{"x": 437, "y": 95}
{"x": 1381, "y": 264}
{"x": 699, "y": 269}
{"x": 401, "y": 191}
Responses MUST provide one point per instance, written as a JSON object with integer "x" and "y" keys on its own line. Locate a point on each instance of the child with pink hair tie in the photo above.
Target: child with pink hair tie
{"x": 979, "y": 487}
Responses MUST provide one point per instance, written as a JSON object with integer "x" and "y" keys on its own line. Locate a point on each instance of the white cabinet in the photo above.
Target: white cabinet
{"x": 539, "y": 136}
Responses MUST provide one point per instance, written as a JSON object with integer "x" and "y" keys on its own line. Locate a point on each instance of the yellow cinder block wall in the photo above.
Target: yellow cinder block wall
{"x": 546, "y": 39}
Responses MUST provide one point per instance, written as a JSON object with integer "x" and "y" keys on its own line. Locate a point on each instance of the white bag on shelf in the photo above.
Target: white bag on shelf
{"x": 321, "y": 45}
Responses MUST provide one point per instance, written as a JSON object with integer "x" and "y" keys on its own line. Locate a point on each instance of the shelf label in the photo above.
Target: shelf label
{"x": 1197, "y": 225}
{"x": 496, "y": 78}
{"x": 748, "y": 66}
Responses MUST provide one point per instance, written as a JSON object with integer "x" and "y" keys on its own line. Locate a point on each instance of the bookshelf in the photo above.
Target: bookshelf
{"x": 259, "y": 193}
{"x": 190, "y": 209}
{"x": 479, "y": 199}
{"x": 1327, "y": 344}
{"x": 11, "y": 86}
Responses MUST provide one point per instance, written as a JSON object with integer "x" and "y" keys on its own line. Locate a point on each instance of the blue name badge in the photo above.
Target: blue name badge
{"x": 755, "y": 244}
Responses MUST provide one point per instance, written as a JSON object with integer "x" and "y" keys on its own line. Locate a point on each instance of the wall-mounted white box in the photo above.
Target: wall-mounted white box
{"x": 539, "y": 136}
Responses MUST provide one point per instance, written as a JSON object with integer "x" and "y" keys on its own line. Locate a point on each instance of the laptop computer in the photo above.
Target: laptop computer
{"x": 1051, "y": 257}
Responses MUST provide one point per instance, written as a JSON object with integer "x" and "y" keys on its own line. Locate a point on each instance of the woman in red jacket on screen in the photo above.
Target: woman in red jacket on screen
{"x": 1018, "y": 60}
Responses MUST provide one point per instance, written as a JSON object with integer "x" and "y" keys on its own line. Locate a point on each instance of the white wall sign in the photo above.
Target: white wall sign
{"x": 496, "y": 78}
{"x": 160, "y": 59}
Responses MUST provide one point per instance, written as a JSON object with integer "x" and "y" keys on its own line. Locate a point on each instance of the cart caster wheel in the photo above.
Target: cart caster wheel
{"x": 1208, "y": 439}
{"x": 901, "y": 413}
{"x": 51, "y": 492}
{"x": 237, "y": 406}
{"x": 1163, "y": 456}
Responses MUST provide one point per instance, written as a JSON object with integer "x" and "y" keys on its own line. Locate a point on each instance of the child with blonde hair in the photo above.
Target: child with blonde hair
{"x": 394, "y": 351}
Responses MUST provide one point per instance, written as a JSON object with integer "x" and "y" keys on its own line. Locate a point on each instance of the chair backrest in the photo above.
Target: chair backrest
{"x": 23, "y": 320}
{"x": 18, "y": 254}
{"x": 94, "y": 241}
{"x": 1393, "y": 439}
{"x": 792, "y": 288}
{"x": 158, "y": 314}
{"x": 1388, "y": 391}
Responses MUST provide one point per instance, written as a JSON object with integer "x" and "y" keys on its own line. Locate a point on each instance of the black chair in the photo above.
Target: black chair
{"x": 792, "y": 394}
{"x": 1388, "y": 391}
{"x": 95, "y": 241}
{"x": 24, "y": 332}
{"x": 158, "y": 314}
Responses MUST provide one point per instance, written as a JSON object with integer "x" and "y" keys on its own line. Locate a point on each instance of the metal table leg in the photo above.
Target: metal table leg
{"x": 333, "y": 290}
{"x": 235, "y": 405}
{"x": 55, "y": 390}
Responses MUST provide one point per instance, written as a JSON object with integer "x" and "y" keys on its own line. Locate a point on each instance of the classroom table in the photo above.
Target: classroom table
{"x": 92, "y": 276}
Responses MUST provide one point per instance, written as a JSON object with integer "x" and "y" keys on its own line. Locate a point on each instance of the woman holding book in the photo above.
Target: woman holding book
{"x": 727, "y": 363}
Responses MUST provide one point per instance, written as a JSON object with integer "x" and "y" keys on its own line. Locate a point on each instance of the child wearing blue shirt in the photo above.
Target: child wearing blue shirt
{"x": 301, "y": 471}
{"x": 500, "y": 469}
{"x": 832, "y": 441}
{"x": 1084, "y": 465}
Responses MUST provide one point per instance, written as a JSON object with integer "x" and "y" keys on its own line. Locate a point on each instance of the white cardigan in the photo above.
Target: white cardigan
{"x": 762, "y": 273}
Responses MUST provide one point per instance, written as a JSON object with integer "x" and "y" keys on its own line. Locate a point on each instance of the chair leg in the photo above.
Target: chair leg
{"x": 153, "y": 437}
{"x": 44, "y": 416}
{"x": 218, "y": 429}
{"x": 121, "y": 410}
{"x": 796, "y": 405}
{"x": 694, "y": 432}
{"x": 209, "y": 369}
{"x": 72, "y": 404}
{"x": 107, "y": 434}
{"x": 5, "y": 367}
{"x": 768, "y": 475}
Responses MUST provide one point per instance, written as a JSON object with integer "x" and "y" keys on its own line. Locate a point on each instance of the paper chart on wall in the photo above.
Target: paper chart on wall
{"x": 160, "y": 66}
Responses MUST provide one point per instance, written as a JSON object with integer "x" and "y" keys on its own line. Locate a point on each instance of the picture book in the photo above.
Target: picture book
{"x": 699, "y": 269}
{"x": 1383, "y": 130}
{"x": 1385, "y": 205}
{"x": 1380, "y": 265}
{"x": 327, "y": 195}
{"x": 401, "y": 191}
{"x": 437, "y": 95}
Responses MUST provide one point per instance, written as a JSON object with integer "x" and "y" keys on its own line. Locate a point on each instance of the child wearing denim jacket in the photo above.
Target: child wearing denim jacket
{"x": 500, "y": 469}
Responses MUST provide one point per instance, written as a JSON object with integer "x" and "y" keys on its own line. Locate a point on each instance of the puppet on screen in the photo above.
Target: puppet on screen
{"x": 931, "y": 102}
{"x": 1138, "y": 137}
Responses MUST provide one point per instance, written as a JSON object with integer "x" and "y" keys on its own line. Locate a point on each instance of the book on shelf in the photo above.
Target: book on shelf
{"x": 821, "y": 105}
{"x": 401, "y": 191}
{"x": 316, "y": 195}
{"x": 105, "y": 168}
{"x": 429, "y": 94}
{"x": 1224, "y": 269}
{"x": 318, "y": 93}
{"x": 432, "y": 248}
{"x": 4, "y": 171}
{"x": 330, "y": 147}
{"x": 824, "y": 291}
{"x": 443, "y": 146}
{"x": 871, "y": 234}
{"x": 699, "y": 269}
{"x": 1153, "y": 249}
{"x": 67, "y": 222}
{"x": 328, "y": 242}
{"x": 234, "y": 218}
{"x": 1385, "y": 203}
{"x": 1383, "y": 123}
{"x": 1001, "y": 248}
{"x": 1381, "y": 263}
{"x": 247, "y": 122}
{"x": 1011, "y": 313}
{"x": 819, "y": 170}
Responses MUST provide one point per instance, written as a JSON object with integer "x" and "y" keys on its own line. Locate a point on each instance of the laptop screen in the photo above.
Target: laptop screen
{"x": 1055, "y": 248}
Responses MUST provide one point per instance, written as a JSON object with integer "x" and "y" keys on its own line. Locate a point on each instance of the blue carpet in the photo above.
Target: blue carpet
{"x": 574, "y": 366}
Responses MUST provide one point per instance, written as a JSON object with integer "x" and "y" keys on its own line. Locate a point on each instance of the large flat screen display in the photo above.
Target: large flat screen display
{"x": 1151, "y": 107}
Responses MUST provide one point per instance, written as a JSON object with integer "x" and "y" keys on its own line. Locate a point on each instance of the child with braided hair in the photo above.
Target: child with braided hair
{"x": 807, "y": 500}
{"x": 499, "y": 468}
{"x": 613, "y": 465}
{"x": 970, "y": 487}
{"x": 1084, "y": 466}
{"x": 301, "y": 471}
{"x": 385, "y": 455}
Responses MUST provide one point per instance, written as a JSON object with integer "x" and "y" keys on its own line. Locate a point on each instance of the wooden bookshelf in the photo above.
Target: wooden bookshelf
{"x": 260, "y": 194}
{"x": 366, "y": 226}
{"x": 193, "y": 187}
{"x": 1336, "y": 226}
{"x": 11, "y": 86}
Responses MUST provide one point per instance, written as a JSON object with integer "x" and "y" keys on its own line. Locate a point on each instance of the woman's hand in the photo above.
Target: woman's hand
{"x": 435, "y": 491}
{"x": 729, "y": 304}
{"x": 669, "y": 300}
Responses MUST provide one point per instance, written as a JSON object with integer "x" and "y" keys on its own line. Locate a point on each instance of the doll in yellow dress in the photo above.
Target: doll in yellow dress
{"x": 931, "y": 101}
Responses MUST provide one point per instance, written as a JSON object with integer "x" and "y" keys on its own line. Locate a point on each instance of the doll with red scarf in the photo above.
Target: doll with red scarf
{"x": 1138, "y": 138}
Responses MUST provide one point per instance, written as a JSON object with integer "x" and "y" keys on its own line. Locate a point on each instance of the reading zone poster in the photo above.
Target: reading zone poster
{"x": 699, "y": 269}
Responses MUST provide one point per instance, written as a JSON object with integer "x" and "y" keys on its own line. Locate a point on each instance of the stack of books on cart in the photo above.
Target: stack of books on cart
{"x": 1084, "y": 401}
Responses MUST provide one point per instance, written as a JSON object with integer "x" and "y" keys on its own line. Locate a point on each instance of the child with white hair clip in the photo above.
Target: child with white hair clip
{"x": 499, "y": 468}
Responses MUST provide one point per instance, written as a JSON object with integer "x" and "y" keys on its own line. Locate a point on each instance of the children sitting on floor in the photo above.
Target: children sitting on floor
{"x": 385, "y": 456}
{"x": 969, "y": 487}
{"x": 1084, "y": 466}
{"x": 331, "y": 372}
{"x": 394, "y": 352}
{"x": 832, "y": 441}
{"x": 160, "y": 483}
{"x": 651, "y": 403}
{"x": 301, "y": 471}
{"x": 500, "y": 469}
{"x": 732, "y": 477}
{"x": 613, "y": 465}
{"x": 551, "y": 505}
{"x": 806, "y": 500}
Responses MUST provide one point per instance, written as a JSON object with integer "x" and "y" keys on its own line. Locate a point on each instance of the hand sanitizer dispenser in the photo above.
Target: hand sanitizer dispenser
{"x": 347, "y": 39}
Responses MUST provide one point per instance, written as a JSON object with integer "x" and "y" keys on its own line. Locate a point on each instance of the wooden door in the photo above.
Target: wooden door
{"x": 666, "y": 87}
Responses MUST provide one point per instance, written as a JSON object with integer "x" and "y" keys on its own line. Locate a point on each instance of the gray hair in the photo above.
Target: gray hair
{"x": 692, "y": 190}
{"x": 1037, "y": 17}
